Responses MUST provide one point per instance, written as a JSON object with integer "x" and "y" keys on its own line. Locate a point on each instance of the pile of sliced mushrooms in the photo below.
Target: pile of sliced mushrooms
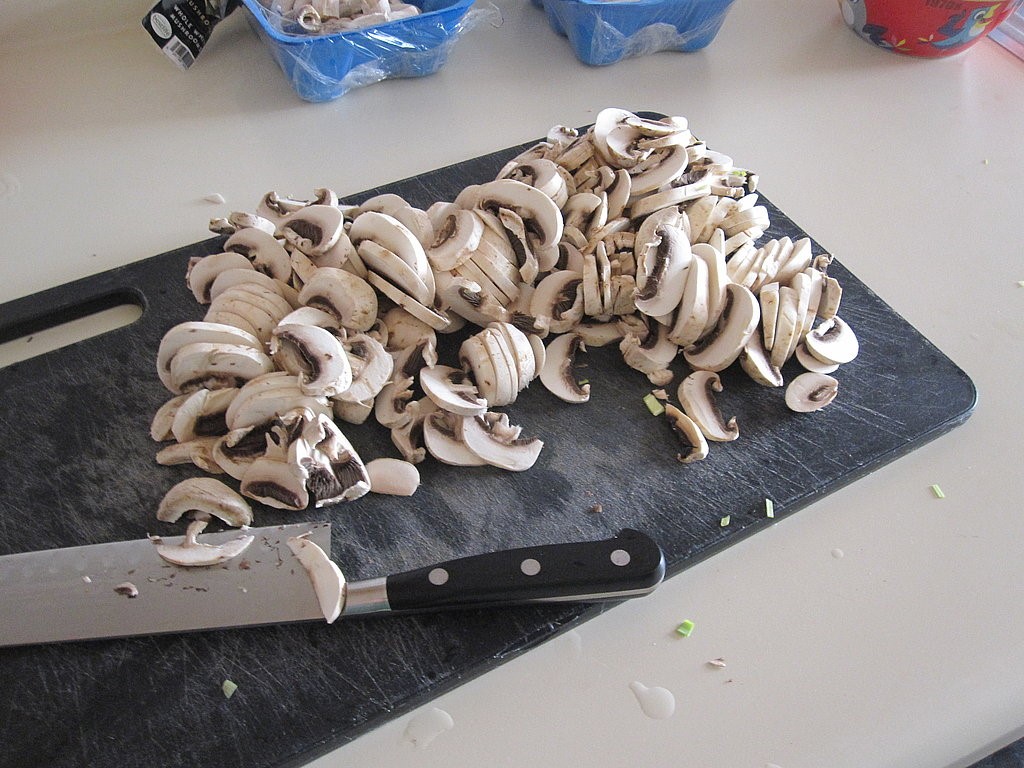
{"x": 320, "y": 316}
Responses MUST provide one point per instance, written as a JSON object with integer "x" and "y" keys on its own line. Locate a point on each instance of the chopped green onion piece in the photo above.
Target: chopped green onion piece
{"x": 653, "y": 405}
{"x": 769, "y": 508}
{"x": 938, "y": 492}
{"x": 685, "y": 628}
{"x": 228, "y": 687}
{"x": 1020, "y": 283}
{"x": 583, "y": 381}
{"x": 725, "y": 521}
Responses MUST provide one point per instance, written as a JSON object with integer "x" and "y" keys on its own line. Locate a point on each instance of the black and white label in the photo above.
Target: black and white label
{"x": 182, "y": 27}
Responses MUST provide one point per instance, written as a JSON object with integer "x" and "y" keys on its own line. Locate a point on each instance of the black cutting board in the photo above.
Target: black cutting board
{"x": 78, "y": 467}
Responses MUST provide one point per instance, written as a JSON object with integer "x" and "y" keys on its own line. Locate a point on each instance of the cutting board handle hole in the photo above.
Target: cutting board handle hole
{"x": 69, "y": 324}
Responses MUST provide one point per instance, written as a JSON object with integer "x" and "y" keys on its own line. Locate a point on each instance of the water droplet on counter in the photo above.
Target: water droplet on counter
{"x": 426, "y": 726}
{"x": 657, "y": 703}
{"x": 9, "y": 185}
{"x": 837, "y": 553}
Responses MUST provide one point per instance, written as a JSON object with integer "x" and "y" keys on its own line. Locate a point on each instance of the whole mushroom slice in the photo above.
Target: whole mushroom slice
{"x": 833, "y": 341}
{"x": 442, "y": 438}
{"x": 718, "y": 279}
{"x": 193, "y": 331}
{"x": 326, "y": 577}
{"x": 203, "y": 271}
{"x": 689, "y": 434}
{"x": 696, "y": 394}
{"x": 264, "y": 251}
{"x": 394, "y": 236}
{"x": 393, "y": 477}
{"x": 492, "y": 439}
{"x": 739, "y": 318}
{"x": 206, "y": 496}
{"x": 417, "y": 309}
{"x": 231, "y": 278}
{"x": 313, "y": 229}
{"x": 455, "y": 239}
{"x": 388, "y": 265}
{"x": 557, "y": 373}
{"x": 538, "y": 211}
{"x": 452, "y": 390}
{"x": 559, "y": 297}
{"x": 661, "y": 272}
{"x": 191, "y": 552}
{"x": 811, "y": 392}
{"x": 214, "y": 365}
{"x": 315, "y": 355}
{"x": 346, "y": 297}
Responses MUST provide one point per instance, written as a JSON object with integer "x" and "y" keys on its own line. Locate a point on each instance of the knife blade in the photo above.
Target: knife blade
{"x": 83, "y": 593}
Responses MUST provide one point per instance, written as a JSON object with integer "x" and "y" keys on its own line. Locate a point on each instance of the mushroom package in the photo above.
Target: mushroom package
{"x": 321, "y": 315}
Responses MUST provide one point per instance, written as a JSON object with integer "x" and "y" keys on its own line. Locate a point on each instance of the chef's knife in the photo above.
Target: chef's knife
{"x": 82, "y": 593}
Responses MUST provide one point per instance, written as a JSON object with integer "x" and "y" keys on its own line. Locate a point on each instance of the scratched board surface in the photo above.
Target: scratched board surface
{"x": 83, "y": 472}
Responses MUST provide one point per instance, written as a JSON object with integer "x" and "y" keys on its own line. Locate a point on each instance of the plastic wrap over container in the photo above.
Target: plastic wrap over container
{"x": 605, "y": 32}
{"x": 321, "y": 67}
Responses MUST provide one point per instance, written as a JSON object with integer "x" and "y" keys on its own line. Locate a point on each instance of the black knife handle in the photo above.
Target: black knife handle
{"x": 626, "y": 565}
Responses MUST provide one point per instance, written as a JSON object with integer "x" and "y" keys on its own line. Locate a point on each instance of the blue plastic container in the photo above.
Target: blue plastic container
{"x": 323, "y": 67}
{"x": 605, "y": 32}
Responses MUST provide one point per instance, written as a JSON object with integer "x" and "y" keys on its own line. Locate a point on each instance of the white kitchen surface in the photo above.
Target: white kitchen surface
{"x": 879, "y": 627}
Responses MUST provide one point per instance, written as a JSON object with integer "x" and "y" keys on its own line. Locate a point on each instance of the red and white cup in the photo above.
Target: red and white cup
{"x": 927, "y": 28}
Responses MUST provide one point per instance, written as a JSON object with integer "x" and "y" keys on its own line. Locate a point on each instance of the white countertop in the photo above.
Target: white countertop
{"x": 907, "y": 650}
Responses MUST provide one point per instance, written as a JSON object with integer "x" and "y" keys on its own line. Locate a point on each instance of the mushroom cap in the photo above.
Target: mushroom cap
{"x": 811, "y": 392}
{"x": 205, "y": 495}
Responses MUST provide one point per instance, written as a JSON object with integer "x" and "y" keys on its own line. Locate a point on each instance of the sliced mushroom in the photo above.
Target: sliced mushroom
{"x": 455, "y": 239}
{"x": 313, "y": 229}
{"x": 442, "y": 438}
{"x": 334, "y": 470}
{"x": 452, "y": 390}
{"x": 538, "y": 211}
{"x": 559, "y": 297}
{"x": 327, "y": 579}
{"x": 736, "y": 324}
{"x": 161, "y": 427}
{"x": 204, "y": 495}
{"x": 813, "y": 364}
{"x": 264, "y": 251}
{"x": 696, "y": 394}
{"x": 203, "y": 414}
{"x": 347, "y": 298}
{"x": 757, "y": 364}
{"x": 274, "y": 480}
{"x": 689, "y": 434}
{"x": 197, "y": 451}
{"x": 203, "y": 271}
{"x": 557, "y": 373}
{"x": 661, "y": 272}
{"x": 192, "y": 552}
{"x": 492, "y": 439}
{"x": 371, "y": 365}
{"x": 651, "y": 355}
{"x": 214, "y": 365}
{"x": 315, "y": 355}
{"x": 833, "y": 341}
{"x": 191, "y": 332}
{"x": 811, "y": 392}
